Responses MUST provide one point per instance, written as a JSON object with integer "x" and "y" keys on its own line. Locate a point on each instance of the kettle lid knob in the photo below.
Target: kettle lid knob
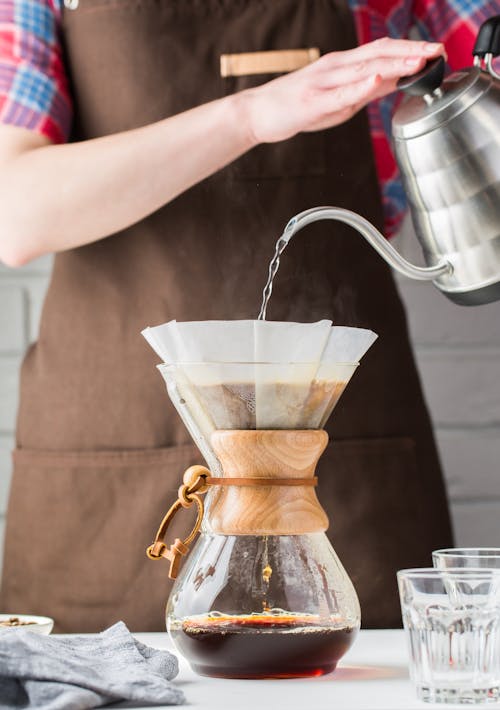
{"x": 426, "y": 81}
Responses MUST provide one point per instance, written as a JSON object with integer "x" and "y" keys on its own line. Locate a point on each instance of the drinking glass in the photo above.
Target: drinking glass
{"x": 484, "y": 557}
{"x": 452, "y": 619}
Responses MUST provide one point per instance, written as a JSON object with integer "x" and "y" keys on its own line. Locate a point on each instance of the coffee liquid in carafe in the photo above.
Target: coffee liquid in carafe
{"x": 262, "y": 646}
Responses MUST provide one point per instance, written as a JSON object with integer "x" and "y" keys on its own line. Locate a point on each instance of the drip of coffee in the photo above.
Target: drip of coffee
{"x": 265, "y": 645}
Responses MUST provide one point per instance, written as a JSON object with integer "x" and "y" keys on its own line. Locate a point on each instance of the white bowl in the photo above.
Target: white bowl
{"x": 37, "y": 624}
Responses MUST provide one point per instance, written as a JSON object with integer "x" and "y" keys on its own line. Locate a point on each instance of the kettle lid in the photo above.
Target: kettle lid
{"x": 433, "y": 102}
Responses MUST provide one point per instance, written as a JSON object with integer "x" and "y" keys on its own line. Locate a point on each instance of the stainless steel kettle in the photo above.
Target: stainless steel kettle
{"x": 447, "y": 143}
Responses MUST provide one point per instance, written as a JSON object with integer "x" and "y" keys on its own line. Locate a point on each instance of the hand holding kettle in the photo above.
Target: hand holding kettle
{"x": 447, "y": 142}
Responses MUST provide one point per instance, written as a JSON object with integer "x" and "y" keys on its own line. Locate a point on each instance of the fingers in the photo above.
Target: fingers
{"x": 387, "y": 58}
{"x": 385, "y": 47}
{"x": 387, "y": 68}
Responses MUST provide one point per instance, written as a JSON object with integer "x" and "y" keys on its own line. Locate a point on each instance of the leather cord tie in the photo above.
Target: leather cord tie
{"x": 194, "y": 484}
{"x": 196, "y": 481}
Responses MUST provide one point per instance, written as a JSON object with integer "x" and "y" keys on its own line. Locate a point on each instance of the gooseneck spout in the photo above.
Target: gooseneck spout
{"x": 367, "y": 230}
{"x": 372, "y": 236}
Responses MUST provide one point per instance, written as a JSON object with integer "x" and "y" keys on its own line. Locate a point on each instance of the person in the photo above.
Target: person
{"x": 161, "y": 184}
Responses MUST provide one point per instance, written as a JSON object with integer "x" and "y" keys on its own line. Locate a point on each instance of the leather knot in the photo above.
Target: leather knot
{"x": 174, "y": 553}
{"x": 184, "y": 496}
{"x": 156, "y": 550}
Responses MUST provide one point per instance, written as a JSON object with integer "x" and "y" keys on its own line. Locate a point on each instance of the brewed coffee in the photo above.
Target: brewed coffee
{"x": 261, "y": 645}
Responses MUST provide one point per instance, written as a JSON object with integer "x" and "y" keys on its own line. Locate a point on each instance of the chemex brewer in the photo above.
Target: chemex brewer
{"x": 262, "y": 594}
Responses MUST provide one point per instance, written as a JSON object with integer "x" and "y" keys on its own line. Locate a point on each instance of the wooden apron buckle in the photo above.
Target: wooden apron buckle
{"x": 278, "y": 61}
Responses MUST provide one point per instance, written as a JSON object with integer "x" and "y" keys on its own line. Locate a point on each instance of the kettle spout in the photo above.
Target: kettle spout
{"x": 372, "y": 236}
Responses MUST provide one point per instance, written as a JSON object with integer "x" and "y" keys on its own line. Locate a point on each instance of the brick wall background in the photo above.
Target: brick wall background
{"x": 458, "y": 351}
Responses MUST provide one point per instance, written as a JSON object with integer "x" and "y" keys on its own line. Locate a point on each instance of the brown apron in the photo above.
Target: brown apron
{"x": 100, "y": 450}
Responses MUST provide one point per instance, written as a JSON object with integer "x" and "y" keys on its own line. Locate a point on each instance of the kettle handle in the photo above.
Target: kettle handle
{"x": 487, "y": 44}
{"x": 488, "y": 38}
{"x": 372, "y": 236}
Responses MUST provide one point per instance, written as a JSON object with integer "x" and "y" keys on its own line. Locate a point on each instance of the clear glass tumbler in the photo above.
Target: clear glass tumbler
{"x": 484, "y": 557}
{"x": 452, "y": 622}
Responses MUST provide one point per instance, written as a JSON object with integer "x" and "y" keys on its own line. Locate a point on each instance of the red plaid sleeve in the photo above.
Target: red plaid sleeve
{"x": 33, "y": 85}
{"x": 454, "y": 23}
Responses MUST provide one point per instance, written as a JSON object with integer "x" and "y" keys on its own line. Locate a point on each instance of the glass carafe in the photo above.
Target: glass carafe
{"x": 260, "y": 606}
{"x": 262, "y": 594}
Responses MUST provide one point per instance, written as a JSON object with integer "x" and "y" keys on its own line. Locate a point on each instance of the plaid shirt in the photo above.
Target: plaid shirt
{"x": 34, "y": 89}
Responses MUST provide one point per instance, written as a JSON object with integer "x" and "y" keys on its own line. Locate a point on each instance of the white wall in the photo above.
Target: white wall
{"x": 458, "y": 351}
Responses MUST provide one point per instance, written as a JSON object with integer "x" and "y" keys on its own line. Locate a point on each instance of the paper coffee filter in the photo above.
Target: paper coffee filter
{"x": 259, "y": 374}
{"x": 253, "y": 341}
{"x": 297, "y": 347}
{"x": 163, "y": 340}
{"x": 217, "y": 341}
{"x": 226, "y": 391}
{"x": 347, "y": 344}
{"x": 198, "y": 423}
{"x": 202, "y": 341}
{"x": 290, "y": 342}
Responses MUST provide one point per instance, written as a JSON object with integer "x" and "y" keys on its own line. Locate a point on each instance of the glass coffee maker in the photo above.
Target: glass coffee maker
{"x": 262, "y": 594}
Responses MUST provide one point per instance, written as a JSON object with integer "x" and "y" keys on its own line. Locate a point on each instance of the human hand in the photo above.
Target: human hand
{"x": 332, "y": 89}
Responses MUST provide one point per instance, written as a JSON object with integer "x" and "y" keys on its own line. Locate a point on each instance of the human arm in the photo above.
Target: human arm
{"x": 56, "y": 197}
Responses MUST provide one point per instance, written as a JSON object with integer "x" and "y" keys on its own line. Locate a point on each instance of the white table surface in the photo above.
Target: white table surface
{"x": 373, "y": 675}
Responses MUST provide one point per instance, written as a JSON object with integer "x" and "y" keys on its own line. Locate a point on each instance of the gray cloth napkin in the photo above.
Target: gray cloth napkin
{"x": 79, "y": 672}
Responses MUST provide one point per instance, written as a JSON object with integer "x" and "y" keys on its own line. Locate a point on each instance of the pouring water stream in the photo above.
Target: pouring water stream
{"x": 366, "y": 229}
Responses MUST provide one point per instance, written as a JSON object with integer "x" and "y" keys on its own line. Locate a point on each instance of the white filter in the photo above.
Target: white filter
{"x": 163, "y": 339}
{"x": 258, "y": 374}
{"x": 216, "y": 341}
{"x": 295, "y": 350}
{"x": 347, "y": 344}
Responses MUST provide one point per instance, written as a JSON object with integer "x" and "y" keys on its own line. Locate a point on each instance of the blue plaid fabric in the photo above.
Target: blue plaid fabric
{"x": 35, "y": 18}
{"x": 33, "y": 84}
{"x": 33, "y": 88}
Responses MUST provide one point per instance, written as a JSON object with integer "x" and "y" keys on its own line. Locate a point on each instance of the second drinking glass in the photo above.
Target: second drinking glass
{"x": 452, "y": 621}
{"x": 477, "y": 557}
